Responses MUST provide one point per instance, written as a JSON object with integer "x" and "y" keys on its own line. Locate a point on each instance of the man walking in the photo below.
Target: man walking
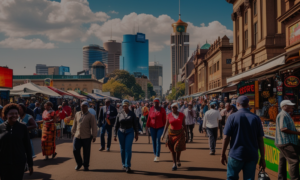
{"x": 286, "y": 139}
{"x": 210, "y": 124}
{"x": 84, "y": 123}
{"x": 190, "y": 120}
{"x": 107, "y": 118}
{"x": 225, "y": 113}
{"x": 244, "y": 131}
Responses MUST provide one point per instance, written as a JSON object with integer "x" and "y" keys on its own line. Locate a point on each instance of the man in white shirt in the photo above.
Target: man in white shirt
{"x": 190, "y": 115}
{"x": 210, "y": 124}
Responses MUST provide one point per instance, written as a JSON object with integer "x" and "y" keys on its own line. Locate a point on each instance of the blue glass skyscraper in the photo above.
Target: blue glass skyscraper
{"x": 135, "y": 54}
{"x": 93, "y": 53}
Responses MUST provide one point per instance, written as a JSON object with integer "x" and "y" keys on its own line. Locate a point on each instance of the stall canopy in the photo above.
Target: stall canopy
{"x": 230, "y": 88}
{"x": 77, "y": 95}
{"x": 31, "y": 89}
{"x": 63, "y": 93}
{"x": 106, "y": 96}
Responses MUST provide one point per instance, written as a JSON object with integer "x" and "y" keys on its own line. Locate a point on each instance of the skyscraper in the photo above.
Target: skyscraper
{"x": 98, "y": 70}
{"x": 41, "y": 69}
{"x": 156, "y": 77}
{"x": 179, "y": 47}
{"x": 135, "y": 54}
{"x": 91, "y": 54}
{"x": 114, "y": 51}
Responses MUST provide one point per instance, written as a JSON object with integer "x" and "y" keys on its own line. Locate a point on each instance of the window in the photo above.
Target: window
{"x": 210, "y": 70}
{"x": 77, "y": 89}
{"x": 69, "y": 89}
{"x": 238, "y": 45}
{"x": 215, "y": 68}
{"x": 218, "y": 66}
{"x": 254, "y": 8}
{"x": 228, "y": 61}
{"x": 246, "y": 17}
{"x": 255, "y": 34}
{"x": 85, "y": 90}
{"x": 246, "y": 39}
{"x": 219, "y": 83}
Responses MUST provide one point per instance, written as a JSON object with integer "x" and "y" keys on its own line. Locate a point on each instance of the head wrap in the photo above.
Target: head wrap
{"x": 156, "y": 100}
{"x": 174, "y": 105}
{"x": 84, "y": 103}
{"x": 125, "y": 102}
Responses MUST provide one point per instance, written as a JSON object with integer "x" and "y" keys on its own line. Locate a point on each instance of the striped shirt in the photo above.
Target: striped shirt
{"x": 284, "y": 120}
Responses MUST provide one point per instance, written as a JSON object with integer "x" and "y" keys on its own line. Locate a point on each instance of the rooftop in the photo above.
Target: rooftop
{"x": 205, "y": 46}
{"x": 57, "y": 77}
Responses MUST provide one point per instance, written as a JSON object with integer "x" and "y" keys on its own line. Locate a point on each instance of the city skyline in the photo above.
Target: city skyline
{"x": 67, "y": 32}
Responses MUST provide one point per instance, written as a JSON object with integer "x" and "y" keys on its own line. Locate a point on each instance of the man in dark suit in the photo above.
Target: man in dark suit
{"x": 107, "y": 118}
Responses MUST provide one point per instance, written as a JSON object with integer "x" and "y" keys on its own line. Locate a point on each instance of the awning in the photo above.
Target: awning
{"x": 277, "y": 61}
{"x": 78, "y": 95}
{"x": 31, "y": 88}
{"x": 106, "y": 96}
{"x": 230, "y": 88}
{"x": 63, "y": 93}
{"x": 197, "y": 94}
{"x": 218, "y": 90}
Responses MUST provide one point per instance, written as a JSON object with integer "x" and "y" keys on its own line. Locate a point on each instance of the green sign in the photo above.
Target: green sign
{"x": 180, "y": 28}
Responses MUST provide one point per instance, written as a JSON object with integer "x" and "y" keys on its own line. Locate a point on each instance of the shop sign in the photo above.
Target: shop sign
{"x": 295, "y": 33}
{"x": 279, "y": 88}
{"x": 265, "y": 94}
{"x": 246, "y": 88}
{"x": 6, "y": 78}
{"x": 291, "y": 81}
{"x": 48, "y": 82}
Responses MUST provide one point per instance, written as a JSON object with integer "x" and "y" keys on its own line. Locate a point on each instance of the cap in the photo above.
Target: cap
{"x": 84, "y": 103}
{"x": 107, "y": 100}
{"x": 242, "y": 100}
{"x": 125, "y": 102}
{"x": 286, "y": 102}
{"x": 156, "y": 100}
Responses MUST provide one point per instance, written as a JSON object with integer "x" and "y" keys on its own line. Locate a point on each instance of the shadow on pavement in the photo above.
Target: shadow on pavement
{"x": 43, "y": 163}
{"x": 38, "y": 175}
{"x": 145, "y": 152}
{"x": 203, "y": 169}
{"x": 174, "y": 176}
{"x": 171, "y": 161}
{"x": 202, "y": 148}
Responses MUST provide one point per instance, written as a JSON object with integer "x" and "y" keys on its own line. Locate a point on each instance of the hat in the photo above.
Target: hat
{"x": 1, "y": 107}
{"x": 84, "y": 103}
{"x": 174, "y": 104}
{"x": 243, "y": 100}
{"x": 286, "y": 102}
{"x": 107, "y": 100}
{"x": 125, "y": 102}
{"x": 156, "y": 100}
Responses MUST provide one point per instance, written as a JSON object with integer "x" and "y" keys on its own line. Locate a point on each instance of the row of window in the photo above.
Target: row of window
{"x": 75, "y": 89}
{"x": 214, "y": 68}
{"x": 215, "y": 84}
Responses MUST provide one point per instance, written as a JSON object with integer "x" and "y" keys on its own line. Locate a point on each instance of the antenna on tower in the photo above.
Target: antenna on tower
{"x": 179, "y": 10}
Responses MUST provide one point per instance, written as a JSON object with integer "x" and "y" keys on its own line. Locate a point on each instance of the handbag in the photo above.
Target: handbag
{"x": 262, "y": 175}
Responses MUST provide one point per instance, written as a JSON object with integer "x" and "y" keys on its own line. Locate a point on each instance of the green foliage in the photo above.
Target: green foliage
{"x": 177, "y": 92}
{"x": 123, "y": 77}
{"x": 151, "y": 92}
{"x": 116, "y": 88}
{"x": 137, "y": 91}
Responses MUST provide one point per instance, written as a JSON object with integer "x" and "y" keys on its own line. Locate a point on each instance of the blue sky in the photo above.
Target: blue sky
{"x": 53, "y": 33}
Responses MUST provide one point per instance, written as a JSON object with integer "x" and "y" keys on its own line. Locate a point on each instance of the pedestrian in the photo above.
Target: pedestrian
{"x": 181, "y": 106}
{"x": 107, "y": 118}
{"x": 15, "y": 148}
{"x": 126, "y": 127}
{"x": 225, "y": 100}
{"x": 1, "y": 120}
{"x": 190, "y": 120}
{"x": 31, "y": 105}
{"x": 220, "y": 123}
{"x": 145, "y": 112}
{"x": 244, "y": 131}
{"x": 84, "y": 131}
{"x": 176, "y": 127}
{"x": 210, "y": 125}
{"x": 286, "y": 140}
{"x": 60, "y": 121}
{"x": 49, "y": 131}
{"x": 92, "y": 111}
{"x": 225, "y": 113}
{"x": 138, "y": 115}
{"x": 156, "y": 122}
{"x": 168, "y": 109}
{"x": 30, "y": 124}
{"x": 37, "y": 111}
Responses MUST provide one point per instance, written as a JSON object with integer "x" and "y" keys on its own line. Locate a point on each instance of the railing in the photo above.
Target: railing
{"x": 52, "y": 77}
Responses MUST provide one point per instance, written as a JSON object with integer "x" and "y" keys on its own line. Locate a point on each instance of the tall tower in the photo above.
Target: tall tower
{"x": 114, "y": 53}
{"x": 179, "y": 47}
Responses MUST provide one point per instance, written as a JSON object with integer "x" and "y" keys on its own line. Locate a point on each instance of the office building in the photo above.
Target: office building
{"x": 53, "y": 70}
{"x": 93, "y": 53}
{"x": 135, "y": 54}
{"x": 98, "y": 70}
{"x": 41, "y": 69}
{"x": 114, "y": 51}
{"x": 179, "y": 48}
{"x": 156, "y": 77}
{"x": 64, "y": 70}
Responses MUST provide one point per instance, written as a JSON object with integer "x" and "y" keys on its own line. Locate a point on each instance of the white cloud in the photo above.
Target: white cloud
{"x": 157, "y": 30}
{"x": 113, "y": 12}
{"x": 20, "y": 43}
{"x": 59, "y": 21}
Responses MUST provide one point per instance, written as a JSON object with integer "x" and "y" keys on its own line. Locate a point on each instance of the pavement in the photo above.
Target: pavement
{"x": 196, "y": 162}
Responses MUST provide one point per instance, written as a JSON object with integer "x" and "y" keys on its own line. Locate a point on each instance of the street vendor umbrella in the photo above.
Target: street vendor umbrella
{"x": 32, "y": 89}
{"x": 78, "y": 95}
{"x": 63, "y": 93}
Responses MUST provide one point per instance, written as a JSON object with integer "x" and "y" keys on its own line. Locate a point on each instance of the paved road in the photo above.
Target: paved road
{"x": 196, "y": 162}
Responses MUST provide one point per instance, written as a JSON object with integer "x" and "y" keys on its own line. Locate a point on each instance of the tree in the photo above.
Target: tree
{"x": 116, "y": 88}
{"x": 137, "y": 92}
{"x": 123, "y": 77}
{"x": 177, "y": 92}
{"x": 150, "y": 90}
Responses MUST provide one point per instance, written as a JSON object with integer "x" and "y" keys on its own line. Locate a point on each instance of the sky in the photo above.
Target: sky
{"x": 53, "y": 32}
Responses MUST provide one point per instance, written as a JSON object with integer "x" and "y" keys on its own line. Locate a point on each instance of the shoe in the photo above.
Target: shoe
{"x": 212, "y": 153}
{"x": 179, "y": 164}
{"x": 123, "y": 168}
{"x": 191, "y": 140}
{"x": 219, "y": 138}
{"x": 46, "y": 158}
{"x": 101, "y": 149}
{"x": 156, "y": 159}
{"x": 174, "y": 168}
{"x": 141, "y": 132}
{"x": 128, "y": 170}
{"x": 107, "y": 149}
{"x": 53, "y": 155}
{"x": 86, "y": 169}
{"x": 77, "y": 167}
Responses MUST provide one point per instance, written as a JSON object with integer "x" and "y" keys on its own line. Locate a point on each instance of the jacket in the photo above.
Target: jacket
{"x": 83, "y": 124}
{"x": 157, "y": 121}
{"x": 112, "y": 115}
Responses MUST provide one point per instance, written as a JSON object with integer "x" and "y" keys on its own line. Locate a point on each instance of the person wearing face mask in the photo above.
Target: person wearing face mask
{"x": 15, "y": 148}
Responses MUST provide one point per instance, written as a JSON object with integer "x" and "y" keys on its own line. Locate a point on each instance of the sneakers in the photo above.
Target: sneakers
{"x": 156, "y": 159}
{"x": 107, "y": 149}
{"x": 212, "y": 153}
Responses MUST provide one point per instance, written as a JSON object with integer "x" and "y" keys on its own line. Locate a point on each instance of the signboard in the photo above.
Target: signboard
{"x": 140, "y": 37}
{"x": 6, "y": 78}
{"x": 246, "y": 88}
{"x": 48, "y": 82}
{"x": 295, "y": 33}
{"x": 291, "y": 81}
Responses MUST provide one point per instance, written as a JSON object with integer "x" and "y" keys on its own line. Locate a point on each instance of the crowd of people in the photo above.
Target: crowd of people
{"x": 169, "y": 122}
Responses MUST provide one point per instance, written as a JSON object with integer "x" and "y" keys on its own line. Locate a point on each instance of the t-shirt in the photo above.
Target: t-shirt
{"x": 284, "y": 120}
{"x": 176, "y": 122}
{"x": 211, "y": 119}
{"x": 244, "y": 128}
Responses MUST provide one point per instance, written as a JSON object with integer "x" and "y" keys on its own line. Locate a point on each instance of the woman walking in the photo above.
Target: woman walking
{"x": 127, "y": 128}
{"x": 176, "y": 135}
{"x": 15, "y": 148}
{"x": 49, "y": 131}
{"x": 203, "y": 110}
{"x": 156, "y": 121}
{"x": 190, "y": 120}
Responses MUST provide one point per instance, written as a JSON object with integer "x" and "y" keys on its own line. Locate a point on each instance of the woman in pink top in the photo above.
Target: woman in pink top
{"x": 177, "y": 134}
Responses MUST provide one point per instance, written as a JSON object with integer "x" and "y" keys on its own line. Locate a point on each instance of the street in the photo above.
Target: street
{"x": 196, "y": 162}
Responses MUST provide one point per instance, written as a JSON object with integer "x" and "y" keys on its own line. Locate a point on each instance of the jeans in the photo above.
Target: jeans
{"x": 86, "y": 144}
{"x": 32, "y": 150}
{"x": 140, "y": 127}
{"x": 126, "y": 140}
{"x": 201, "y": 126}
{"x": 235, "y": 166}
{"x": 190, "y": 133}
{"x": 212, "y": 134}
{"x": 108, "y": 128}
{"x": 221, "y": 129}
{"x": 156, "y": 135}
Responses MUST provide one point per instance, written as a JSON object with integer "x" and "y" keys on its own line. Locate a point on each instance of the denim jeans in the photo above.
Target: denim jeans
{"x": 32, "y": 150}
{"x": 212, "y": 134}
{"x": 86, "y": 144}
{"x": 201, "y": 126}
{"x": 156, "y": 135}
{"x": 126, "y": 140}
{"x": 108, "y": 128}
{"x": 235, "y": 166}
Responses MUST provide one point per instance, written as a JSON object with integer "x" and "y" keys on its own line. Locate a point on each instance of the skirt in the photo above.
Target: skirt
{"x": 48, "y": 138}
{"x": 176, "y": 140}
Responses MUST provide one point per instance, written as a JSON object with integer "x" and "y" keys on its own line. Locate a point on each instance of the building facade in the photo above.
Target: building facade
{"x": 53, "y": 70}
{"x": 98, "y": 70}
{"x": 156, "y": 77}
{"x": 41, "y": 69}
{"x": 64, "y": 70}
{"x": 114, "y": 50}
{"x": 135, "y": 54}
{"x": 93, "y": 53}
{"x": 179, "y": 48}
{"x": 143, "y": 82}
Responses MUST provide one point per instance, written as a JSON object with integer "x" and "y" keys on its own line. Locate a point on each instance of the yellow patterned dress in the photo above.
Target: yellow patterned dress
{"x": 48, "y": 133}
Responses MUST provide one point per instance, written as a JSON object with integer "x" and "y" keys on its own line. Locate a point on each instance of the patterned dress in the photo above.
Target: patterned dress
{"x": 48, "y": 133}
{"x": 176, "y": 136}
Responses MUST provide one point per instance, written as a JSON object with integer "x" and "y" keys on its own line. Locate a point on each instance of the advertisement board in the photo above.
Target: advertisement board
{"x": 6, "y": 78}
{"x": 140, "y": 37}
{"x": 295, "y": 33}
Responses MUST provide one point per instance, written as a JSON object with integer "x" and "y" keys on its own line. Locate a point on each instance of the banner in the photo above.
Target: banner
{"x": 6, "y": 78}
